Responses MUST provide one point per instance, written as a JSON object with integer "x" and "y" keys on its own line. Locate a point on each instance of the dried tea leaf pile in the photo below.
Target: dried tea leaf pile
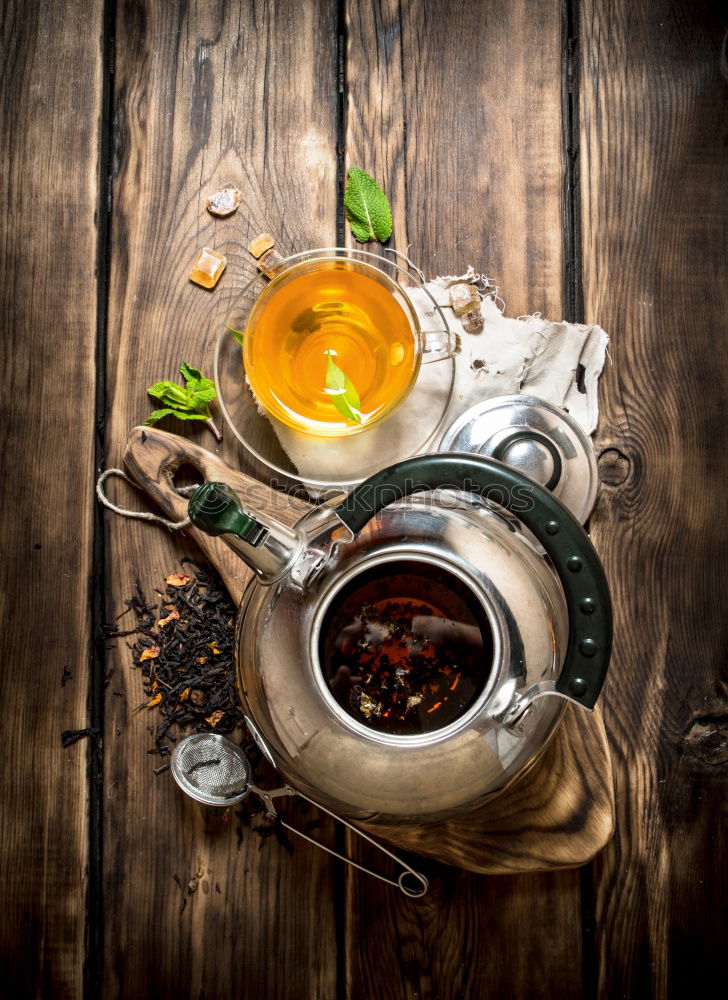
{"x": 184, "y": 649}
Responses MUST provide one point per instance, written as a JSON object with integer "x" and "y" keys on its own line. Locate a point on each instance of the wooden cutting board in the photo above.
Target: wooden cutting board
{"x": 558, "y": 814}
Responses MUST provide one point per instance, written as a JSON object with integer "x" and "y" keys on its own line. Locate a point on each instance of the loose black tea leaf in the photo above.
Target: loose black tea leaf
{"x": 276, "y": 829}
{"x": 71, "y": 736}
{"x": 65, "y": 676}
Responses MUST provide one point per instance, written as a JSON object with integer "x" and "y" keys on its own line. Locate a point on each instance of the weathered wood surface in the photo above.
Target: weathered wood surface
{"x": 654, "y": 113}
{"x": 464, "y": 112}
{"x": 205, "y": 95}
{"x": 559, "y": 814}
{"x": 464, "y": 936}
{"x": 456, "y": 108}
{"x": 49, "y": 177}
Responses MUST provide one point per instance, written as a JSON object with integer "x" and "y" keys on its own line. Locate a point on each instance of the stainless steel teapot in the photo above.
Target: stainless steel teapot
{"x": 536, "y": 601}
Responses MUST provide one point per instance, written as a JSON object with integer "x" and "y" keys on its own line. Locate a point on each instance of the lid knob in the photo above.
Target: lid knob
{"x": 532, "y": 454}
{"x": 530, "y": 458}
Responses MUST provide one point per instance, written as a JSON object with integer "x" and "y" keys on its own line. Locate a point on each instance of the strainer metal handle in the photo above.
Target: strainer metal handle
{"x": 213, "y": 770}
{"x": 415, "y": 891}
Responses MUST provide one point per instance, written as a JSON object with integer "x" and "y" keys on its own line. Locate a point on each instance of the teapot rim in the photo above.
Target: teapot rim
{"x": 429, "y": 556}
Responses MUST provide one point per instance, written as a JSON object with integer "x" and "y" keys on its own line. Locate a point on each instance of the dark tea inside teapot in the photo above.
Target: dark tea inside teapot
{"x": 406, "y": 647}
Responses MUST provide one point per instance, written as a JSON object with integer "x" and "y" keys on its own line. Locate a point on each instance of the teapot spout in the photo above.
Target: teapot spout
{"x": 269, "y": 547}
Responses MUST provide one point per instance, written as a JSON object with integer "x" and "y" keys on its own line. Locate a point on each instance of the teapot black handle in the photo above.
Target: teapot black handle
{"x": 565, "y": 541}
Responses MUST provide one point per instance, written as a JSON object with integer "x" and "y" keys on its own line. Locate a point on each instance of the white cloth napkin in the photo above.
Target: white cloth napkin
{"x": 559, "y": 362}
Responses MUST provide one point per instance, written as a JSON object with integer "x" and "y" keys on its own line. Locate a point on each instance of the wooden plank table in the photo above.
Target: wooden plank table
{"x": 576, "y": 152}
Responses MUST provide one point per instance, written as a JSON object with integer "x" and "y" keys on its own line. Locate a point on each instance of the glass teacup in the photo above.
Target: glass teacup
{"x": 333, "y": 344}
{"x": 322, "y": 462}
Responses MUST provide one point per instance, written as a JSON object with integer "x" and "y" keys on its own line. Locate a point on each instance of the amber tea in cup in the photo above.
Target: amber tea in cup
{"x": 332, "y": 346}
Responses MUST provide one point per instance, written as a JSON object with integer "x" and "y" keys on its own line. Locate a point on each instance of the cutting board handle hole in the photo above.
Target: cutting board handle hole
{"x": 187, "y": 475}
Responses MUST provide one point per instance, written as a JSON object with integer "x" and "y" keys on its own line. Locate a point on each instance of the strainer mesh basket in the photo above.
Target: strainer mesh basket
{"x": 211, "y": 769}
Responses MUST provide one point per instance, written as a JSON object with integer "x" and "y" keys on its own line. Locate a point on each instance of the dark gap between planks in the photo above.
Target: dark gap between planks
{"x": 573, "y": 294}
{"x": 573, "y": 298}
{"x": 341, "y": 97}
{"x": 93, "y": 964}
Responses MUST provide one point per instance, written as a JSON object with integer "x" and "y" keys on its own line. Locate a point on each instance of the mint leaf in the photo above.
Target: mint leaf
{"x": 367, "y": 208}
{"x": 172, "y": 395}
{"x": 341, "y": 389}
{"x": 160, "y": 389}
{"x": 192, "y": 416}
{"x": 190, "y": 375}
{"x": 157, "y": 415}
{"x": 237, "y": 334}
{"x": 185, "y": 403}
{"x": 204, "y": 393}
{"x": 201, "y": 388}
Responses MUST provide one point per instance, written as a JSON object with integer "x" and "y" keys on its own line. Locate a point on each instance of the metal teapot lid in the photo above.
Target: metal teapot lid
{"x": 537, "y": 439}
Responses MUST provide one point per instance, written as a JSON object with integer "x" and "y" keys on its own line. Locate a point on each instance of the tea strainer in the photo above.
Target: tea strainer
{"x": 215, "y": 771}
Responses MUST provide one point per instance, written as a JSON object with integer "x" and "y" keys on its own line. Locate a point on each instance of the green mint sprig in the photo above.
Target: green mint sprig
{"x": 367, "y": 208}
{"x": 239, "y": 336}
{"x": 188, "y": 402}
{"x": 343, "y": 394}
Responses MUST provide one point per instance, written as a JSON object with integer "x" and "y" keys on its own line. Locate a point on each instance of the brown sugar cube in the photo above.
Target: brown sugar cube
{"x": 260, "y": 244}
{"x": 225, "y": 201}
{"x": 473, "y": 321}
{"x": 207, "y": 268}
{"x": 463, "y": 298}
{"x": 270, "y": 263}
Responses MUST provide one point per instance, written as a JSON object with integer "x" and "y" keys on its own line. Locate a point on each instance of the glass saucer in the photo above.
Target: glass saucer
{"x": 321, "y": 463}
